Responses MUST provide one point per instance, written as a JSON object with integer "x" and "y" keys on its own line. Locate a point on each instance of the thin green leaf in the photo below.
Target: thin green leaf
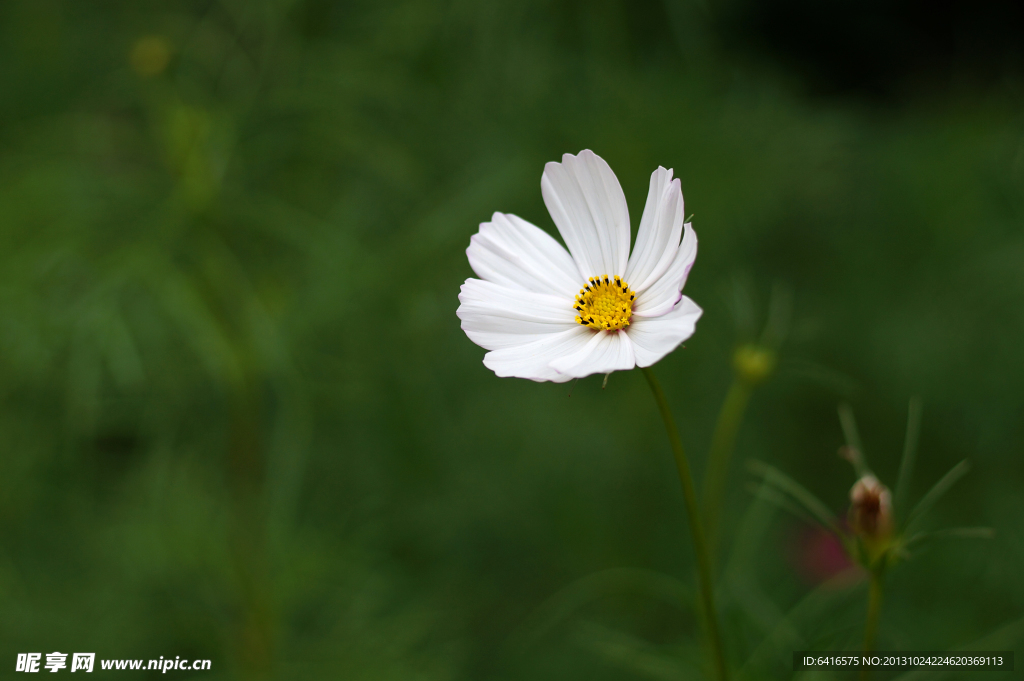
{"x": 780, "y": 317}
{"x": 1004, "y": 638}
{"x": 817, "y": 374}
{"x": 824, "y": 603}
{"x": 754, "y": 527}
{"x": 909, "y": 453}
{"x": 632, "y": 653}
{"x": 967, "y": 533}
{"x": 584, "y": 591}
{"x": 849, "y": 425}
{"x": 742, "y": 305}
{"x": 766, "y": 493}
{"x": 853, "y": 451}
{"x": 761, "y": 613}
{"x": 952, "y": 533}
{"x": 935, "y": 493}
{"x": 798, "y": 492}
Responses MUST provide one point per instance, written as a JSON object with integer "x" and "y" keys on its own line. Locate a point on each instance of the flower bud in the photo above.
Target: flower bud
{"x": 871, "y": 510}
{"x": 753, "y": 363}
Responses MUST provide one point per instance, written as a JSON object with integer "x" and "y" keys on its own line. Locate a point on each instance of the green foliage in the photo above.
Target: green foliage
{"x": 240, "y": 421}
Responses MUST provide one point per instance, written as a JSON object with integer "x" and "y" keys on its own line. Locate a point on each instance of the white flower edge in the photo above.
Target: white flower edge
{"x": 521, "y": 308}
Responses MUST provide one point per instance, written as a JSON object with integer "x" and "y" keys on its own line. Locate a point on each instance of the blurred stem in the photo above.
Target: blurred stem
{"x": 722, "y": 445}
{"x": 246, "y": 474}
{"x": 696, "y": 529}
{"x": 871, "y": 624}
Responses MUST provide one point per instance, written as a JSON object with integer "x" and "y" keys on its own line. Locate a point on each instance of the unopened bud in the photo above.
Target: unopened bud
{"x": 871, "y": 509}
{"x": 753, "y": 363}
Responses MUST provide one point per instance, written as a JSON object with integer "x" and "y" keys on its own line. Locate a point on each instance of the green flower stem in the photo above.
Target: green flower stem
{"x": 696, "y": 529}
{"x": 871, "y": 624}
{"x": 722, "y": 445}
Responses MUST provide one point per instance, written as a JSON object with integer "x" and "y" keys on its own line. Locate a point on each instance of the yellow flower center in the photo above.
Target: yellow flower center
{"x": 605, "y": 303}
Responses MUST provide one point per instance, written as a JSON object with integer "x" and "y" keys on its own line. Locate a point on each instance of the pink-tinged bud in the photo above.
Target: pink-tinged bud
{"x": 871, "y": 509}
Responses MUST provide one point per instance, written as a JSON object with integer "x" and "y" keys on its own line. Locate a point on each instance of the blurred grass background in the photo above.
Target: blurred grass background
{"x": 240, "y": 421}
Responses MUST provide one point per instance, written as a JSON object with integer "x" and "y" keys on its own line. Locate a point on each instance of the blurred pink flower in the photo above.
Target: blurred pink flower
{"x": 818, "y": 556}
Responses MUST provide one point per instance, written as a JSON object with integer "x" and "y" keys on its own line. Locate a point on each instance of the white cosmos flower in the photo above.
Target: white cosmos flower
{"x": 551, "y": 315}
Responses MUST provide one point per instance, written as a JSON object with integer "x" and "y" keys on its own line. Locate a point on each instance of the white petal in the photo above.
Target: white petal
{"x": 655, "y": 337}
{"x": 533, "y": 360}
{"x": 606, "y": 352}
{"x": 588, "y": 207}
{"x": 496, "y": 316}
{"x": 509, "y": 250}
{"x": 664, "y": 293}
{"x": 657, "y": 240}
